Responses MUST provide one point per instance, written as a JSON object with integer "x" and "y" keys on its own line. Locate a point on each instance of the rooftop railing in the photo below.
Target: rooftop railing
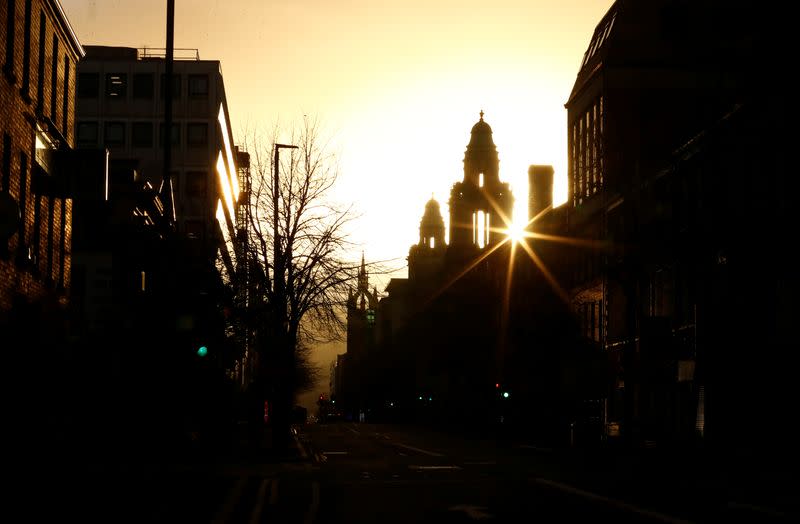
{"x": 179, "y": 53}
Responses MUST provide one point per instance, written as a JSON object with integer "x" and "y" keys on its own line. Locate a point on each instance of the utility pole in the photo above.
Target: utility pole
{"x": 166, "y": 182}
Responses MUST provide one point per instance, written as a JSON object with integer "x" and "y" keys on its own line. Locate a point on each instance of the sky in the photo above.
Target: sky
{"x": 397, "y": 86}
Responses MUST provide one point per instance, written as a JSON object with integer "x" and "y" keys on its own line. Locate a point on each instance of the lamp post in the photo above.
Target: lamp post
{"x": 282, "y": 401}
{"x": 277, "y": 258}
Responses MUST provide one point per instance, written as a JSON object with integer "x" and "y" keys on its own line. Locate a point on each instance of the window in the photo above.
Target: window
{"x": 37, "y": 231}
{"x": 54, "y": 82}
{"x": 51, "y": 208}
{"x": 142, "y": 134}
{"x": 176, "y": 85}
{"x": 23, "y": 202}
{"x": 114, "y": 134}
{"x": 87, "y": 134}
{"x": 65, "y": 110}
{"x": 198, "y": 86}
{"x": 62, "y": 243}
{"x": 116, "y": 85}
{"x": 143, "y": 85}
{"x": 88, "y": 85}
{"x": 8, "y": 67}
{"x": 40, "y": 78}
{"x": 6, "y": 161}
{"x": 196, "y": 182}
{"x": 26, "y": 54}
{"x": 196, "y": 135}
{"x": 176, "y": 134}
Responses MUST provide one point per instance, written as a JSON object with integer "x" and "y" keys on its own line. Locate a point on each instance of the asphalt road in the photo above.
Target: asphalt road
{"x": 367, "y": 473}
{"x": 374, "y": 473}
{"x": 380, "y": 473}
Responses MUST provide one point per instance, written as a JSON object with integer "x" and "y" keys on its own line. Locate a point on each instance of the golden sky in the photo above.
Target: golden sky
{"x": 398, "y": 85}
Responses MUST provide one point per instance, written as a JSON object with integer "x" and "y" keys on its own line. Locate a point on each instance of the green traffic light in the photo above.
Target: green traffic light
{"x": 203, "y": 351}
{"x": 505, "y": 394}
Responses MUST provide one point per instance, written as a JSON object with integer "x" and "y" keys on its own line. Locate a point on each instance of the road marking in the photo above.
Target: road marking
{"x": 262, "y": 492}
{"x": 351, "y": 429}
{"x": 418, "y": 450}
{"x": 312, "y": 509}
{"x": 433, "y": 467}
{"x": 320, "y": 457}
{"x": 612, "y": 502}
{"x": 473, "y": 512}
{"x": 481, "y": 463}
{"x": 273, "y": 495}
{"x": 231, "y": 500}
{"x": 335, "y": 452}
{"x": 537, "y": 448}
{"x": 758, "y": 509}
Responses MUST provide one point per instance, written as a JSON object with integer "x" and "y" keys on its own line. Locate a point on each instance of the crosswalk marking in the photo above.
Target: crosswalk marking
{"x": 312, "y": 509}
{"x": 259, "y": 506}
{"x": 419, "y": 450}
{"x": 230, "y": 501}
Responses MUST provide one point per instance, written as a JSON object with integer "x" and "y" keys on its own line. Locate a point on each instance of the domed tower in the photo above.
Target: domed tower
{"x": 431, "y": 227}
{"x": 479, "y": 203}
{"x": 426, "y": 258}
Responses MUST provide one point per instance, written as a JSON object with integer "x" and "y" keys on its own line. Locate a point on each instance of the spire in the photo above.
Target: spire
{"x": 363, "y": 279}
{"x": 481, "y": 113}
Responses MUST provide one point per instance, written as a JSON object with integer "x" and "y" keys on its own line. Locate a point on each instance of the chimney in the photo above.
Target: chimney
{"x": 540, "y": 184}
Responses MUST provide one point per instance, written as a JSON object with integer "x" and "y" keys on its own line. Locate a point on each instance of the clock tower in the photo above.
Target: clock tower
{"x": 480, "y": 204}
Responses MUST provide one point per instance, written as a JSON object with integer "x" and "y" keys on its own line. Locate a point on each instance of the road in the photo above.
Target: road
{"x": 365, "y": 473}
{"x": 377, "y": 473}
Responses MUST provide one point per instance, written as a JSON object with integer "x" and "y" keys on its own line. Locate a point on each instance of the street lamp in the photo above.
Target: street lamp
{"x": 277, "y": 262}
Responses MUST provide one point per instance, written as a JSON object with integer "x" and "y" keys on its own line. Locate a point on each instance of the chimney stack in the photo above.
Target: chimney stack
{"x": 540, "y": 184}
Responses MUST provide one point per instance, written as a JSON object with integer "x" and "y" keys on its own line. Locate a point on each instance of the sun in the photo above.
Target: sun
{"x": 515, "y": 232}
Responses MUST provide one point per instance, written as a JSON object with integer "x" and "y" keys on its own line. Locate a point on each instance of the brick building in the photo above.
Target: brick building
{"x": 39, "y": 52}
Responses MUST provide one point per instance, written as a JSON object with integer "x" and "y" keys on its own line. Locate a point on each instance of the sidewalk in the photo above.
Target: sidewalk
{"x": 684, "y": 483}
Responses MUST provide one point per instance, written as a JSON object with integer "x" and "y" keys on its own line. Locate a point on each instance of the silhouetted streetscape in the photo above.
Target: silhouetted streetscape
{"x": 626, "y": 355}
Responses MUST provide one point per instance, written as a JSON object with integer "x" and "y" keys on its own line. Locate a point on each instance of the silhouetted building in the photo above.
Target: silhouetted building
{"x": 435, "y": 351}
{"x": 121, "y": 107}
{"x": 158, "y": 291}
{"x": 362, "y": 307}
{"x": 40, "y": 175}
{"x": 480, "y": 205}
{"x": 668, "y": 94}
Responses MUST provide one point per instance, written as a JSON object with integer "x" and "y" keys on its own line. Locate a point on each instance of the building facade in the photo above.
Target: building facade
{"x": 157, "y": 268}
{"x": 434, "y": 352}
{"x": 120, "y": 106}
{"x": 662, "y": 85}
{"x": 37, "y": 100}
{"x": 39, "y": 172}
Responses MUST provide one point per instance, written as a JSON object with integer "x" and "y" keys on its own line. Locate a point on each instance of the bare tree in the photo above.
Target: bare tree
{"x": 299, "y": 244}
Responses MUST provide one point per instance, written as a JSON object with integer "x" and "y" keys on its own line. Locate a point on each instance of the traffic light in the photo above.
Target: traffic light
{"x": 202, "y": 351}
